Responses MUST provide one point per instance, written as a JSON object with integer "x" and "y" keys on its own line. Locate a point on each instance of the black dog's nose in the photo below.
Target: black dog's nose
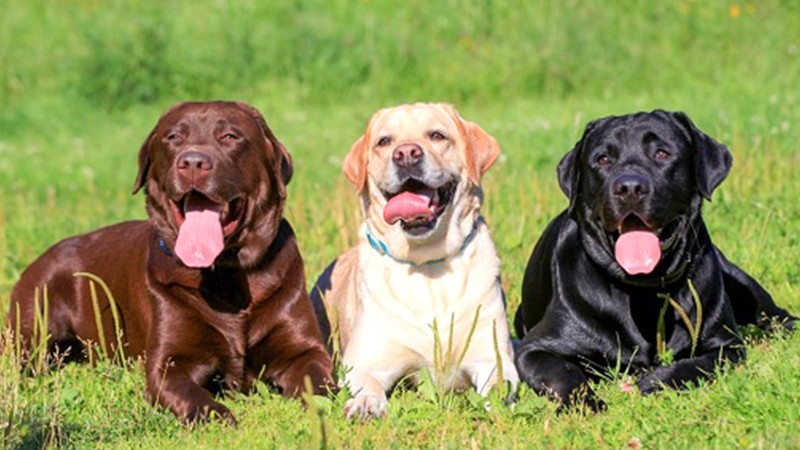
{"x": 407, "y": 155}
{"x": 631, "y": 188}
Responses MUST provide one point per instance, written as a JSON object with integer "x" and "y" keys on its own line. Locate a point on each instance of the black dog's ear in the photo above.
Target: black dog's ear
{"x": 712, "y": 160}
{"x": 569, "y": 174}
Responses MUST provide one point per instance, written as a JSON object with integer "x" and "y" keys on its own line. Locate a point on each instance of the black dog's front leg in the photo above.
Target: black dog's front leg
{"x": 558, "y": 379}
{"x": 689, "y": 370}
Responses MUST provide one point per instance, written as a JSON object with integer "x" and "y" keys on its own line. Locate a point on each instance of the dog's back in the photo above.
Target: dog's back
{"x": 56, "y": 292}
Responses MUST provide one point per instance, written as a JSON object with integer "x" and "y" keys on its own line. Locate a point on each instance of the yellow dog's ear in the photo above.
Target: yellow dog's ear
{"x": 355, "y": 163}
{"x": 480, "y": 148}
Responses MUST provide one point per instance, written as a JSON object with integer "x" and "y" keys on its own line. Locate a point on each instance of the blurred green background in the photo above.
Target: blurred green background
{"x": 82, "y": 82}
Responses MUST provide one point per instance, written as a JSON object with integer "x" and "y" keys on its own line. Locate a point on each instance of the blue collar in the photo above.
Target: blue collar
{"x": 382, "y": 249}
{"x": 163, "y": 246}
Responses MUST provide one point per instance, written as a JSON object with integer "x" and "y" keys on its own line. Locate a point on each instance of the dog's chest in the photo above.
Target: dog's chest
{"x": 410, "y": 299}
{"x": 236, "y": 310}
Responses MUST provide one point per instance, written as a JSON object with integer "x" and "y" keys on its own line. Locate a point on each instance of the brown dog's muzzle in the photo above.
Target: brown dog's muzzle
{"x": 194, "y": 168}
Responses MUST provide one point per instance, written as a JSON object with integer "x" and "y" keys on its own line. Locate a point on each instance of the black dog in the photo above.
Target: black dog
{"x": 611, "y": 280}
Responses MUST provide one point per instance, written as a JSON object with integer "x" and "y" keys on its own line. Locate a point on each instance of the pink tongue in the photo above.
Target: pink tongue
{"x": 408, "y": 206}
{"x": 200, "y": 238}
{"x": 638, "y": 252}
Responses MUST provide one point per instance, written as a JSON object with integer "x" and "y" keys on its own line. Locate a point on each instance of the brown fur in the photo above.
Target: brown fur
{"x": 246, "y": 318}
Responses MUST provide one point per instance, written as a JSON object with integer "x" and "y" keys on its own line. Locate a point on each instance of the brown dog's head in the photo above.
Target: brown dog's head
{"x": 215, "y": 178}
{"x": 417, "y": 169}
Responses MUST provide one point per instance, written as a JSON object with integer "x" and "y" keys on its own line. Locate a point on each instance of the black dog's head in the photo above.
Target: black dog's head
{"x": 636, "y": 183}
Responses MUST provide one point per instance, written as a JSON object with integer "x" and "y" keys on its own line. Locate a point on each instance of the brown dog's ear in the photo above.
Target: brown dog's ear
{"x": 481, "y": 149}
{"x": 282, "y": 164}
{"x": 481, "y": 152}
{"x": 355, "y": 163}
{"x": 144, "y": 150}
{"x": 712, "y": 160}
{"x": 144, "y": 162}
{"x": 287, "y": 164}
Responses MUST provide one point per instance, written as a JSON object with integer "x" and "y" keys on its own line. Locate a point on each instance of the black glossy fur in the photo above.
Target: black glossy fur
{"x": 581, "y": 310}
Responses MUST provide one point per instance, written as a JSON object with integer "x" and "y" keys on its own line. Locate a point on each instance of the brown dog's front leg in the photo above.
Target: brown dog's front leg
{"x": 315, "y": 366}
{"x": 177, "y": 386}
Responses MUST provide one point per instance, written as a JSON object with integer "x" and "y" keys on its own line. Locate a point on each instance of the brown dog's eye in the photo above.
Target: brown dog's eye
{"x": 602, "y": 160}
{"x": 437, "y": 136}
{"x": 229, "y": 137}
{"x": 662, "y": 155}
{"x": 384, "y": 141}
{"x": 173, "y": 136}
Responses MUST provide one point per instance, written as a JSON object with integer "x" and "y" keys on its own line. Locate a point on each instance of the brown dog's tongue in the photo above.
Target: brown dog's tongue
{"x": 408, "y": 206}
{"x": 200, "y": 239}
{"x": 638, "y": 252}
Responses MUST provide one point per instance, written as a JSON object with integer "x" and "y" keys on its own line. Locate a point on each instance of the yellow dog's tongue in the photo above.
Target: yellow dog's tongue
{"x": 638, "y": 252}
{"x": 200, "y": 239}
{"x": 409, "y": 206}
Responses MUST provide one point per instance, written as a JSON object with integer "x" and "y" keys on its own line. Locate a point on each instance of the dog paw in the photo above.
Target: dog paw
{"x": 588, "y": 404}
{"x": 652, "y": 382}
{"x": 211, "y": 411}
{"x": 366, "y": 406}
{"x": 649, "y": 383}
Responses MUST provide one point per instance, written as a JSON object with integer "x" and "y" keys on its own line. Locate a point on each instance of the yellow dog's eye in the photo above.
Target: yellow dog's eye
{"x": 437, "y": 136}
{"x": 384, "y": 141}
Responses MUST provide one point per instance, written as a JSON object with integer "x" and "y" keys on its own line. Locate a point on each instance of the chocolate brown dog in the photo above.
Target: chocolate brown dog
{"x": 628, "y": 274}
{"x": 210, "y": 289}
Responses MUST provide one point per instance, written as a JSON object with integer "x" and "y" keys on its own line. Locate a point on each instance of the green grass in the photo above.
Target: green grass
{"x": 82, "y": 83}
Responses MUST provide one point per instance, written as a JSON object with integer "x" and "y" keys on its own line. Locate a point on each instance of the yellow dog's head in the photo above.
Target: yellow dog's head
{"x": 417, "y": 169}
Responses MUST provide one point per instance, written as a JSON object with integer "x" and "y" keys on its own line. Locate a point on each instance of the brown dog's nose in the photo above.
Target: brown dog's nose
{"x": 194, "y": 165}
{"x": 407, "y": 155}
{"x": 631, "y": 188}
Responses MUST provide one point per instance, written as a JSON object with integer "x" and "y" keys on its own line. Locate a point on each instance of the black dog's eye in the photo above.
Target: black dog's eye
{"x": 384, "y": 141}
{"x": 437, "y": 136}
{"x": 602, "y": 160}
{"x": 662, "y": 155}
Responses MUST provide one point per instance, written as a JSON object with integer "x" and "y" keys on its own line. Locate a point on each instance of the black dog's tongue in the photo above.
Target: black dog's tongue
{"x": 638, "y": 252}
{"x": 200, "y": 239}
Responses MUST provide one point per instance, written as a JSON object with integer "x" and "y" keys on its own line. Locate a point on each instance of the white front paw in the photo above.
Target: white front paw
{"x": 366, "y": 406}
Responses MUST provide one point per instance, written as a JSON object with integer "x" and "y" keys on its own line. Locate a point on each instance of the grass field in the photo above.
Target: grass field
{"x": 83, "y": 82}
